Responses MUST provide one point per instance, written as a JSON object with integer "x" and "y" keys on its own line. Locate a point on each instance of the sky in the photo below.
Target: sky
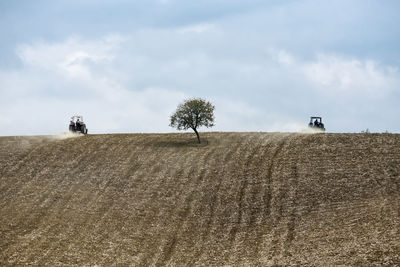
{"x": 265, "y": 65}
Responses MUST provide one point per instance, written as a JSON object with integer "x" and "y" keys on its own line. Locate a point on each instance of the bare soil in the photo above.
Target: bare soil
{"x": 239, "y": 199}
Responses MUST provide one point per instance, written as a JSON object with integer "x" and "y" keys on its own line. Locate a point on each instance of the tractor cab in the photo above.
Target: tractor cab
{"x": 316, "y": 123}
{"x": 77, "y": 125}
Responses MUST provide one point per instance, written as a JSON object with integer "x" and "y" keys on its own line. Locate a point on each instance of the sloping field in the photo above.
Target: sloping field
{"x": 256, "y": 199}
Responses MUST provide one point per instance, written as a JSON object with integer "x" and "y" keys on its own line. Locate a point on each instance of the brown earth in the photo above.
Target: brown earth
{"x": 255, "y": 199}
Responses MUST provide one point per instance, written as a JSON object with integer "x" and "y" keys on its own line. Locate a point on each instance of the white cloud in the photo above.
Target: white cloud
{"x": 330, "y": 73}
{"x": 133, "y": 83}
{"x": 43, "y": 54}
{"x": 71, "y": 57}
{"x": 198, "y": 28}
{"x": 351, "y": 75}
{"x": 78, "y": 69}
{"x": 234, "y": 115}
{"x": 285, "y": 58}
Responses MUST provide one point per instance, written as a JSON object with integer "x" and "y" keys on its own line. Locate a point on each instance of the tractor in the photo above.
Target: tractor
{"x": 77, "y": 125}
{"x": 316, "y": 123}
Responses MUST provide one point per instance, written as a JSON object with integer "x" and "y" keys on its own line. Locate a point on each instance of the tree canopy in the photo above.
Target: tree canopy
{"x": 192, "y": 114}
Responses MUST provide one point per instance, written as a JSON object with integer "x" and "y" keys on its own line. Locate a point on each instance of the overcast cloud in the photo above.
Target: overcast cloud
{"x": 126, "y": 65}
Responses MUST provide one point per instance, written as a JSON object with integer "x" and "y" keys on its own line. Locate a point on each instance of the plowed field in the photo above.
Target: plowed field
{"x": 243, "y": 199}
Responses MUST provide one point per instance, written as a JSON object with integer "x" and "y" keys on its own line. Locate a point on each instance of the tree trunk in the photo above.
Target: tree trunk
{"x": 197, "y": 134}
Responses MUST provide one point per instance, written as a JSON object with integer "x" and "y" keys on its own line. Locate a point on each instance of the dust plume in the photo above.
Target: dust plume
{"x": 66, "y": 135}
{"x": 310, "y": 130}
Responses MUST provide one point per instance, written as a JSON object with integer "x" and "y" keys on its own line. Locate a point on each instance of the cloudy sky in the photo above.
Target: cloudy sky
{"x": 265, "y": 65}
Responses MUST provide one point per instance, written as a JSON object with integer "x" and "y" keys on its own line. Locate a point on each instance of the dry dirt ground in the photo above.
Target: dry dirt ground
{"x": 238, "y": 199}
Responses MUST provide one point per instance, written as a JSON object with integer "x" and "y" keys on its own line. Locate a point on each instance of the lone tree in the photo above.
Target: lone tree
{"x": 192, "y": 114}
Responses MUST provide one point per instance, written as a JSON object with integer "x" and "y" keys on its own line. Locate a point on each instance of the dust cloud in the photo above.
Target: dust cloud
{"x": 66, "y": 135}
{"x": 310, "y": 130}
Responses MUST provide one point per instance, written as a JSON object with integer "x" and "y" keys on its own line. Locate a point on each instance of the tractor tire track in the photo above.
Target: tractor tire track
{"x": 205, "y": 235}
{"x": 257, "y": 204}
{"x": 267, "y": 197}
{"x": 252, "y": 201}
{"x": 88, "y": 219}
{"x": 32, "y": 161}
{"x": 244, "y": 206}
{"x": 151, "y": 252}
{"x": 243, "y": 185}
{"x": 293, "y": 196}
{"x": 274, "y": 146}
{"x": 183, "y": 211}
{"x": 277, "y": 199}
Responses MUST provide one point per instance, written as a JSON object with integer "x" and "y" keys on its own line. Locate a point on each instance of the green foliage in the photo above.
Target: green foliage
{"x": 193, "y": 113}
